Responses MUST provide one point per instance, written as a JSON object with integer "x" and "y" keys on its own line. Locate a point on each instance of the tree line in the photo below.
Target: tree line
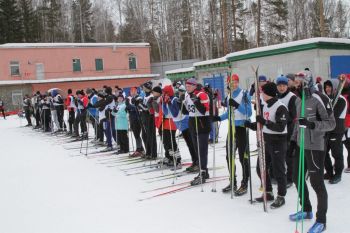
{"x": 176, "y": 29}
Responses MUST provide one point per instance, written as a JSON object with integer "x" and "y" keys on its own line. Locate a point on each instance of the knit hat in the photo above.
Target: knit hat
{"x": 234, "y": 77}
{"x": 179, "y": 83}
{"x": 157, "y": 89}
{"x": 182, "y": 88}
{"x": 318, "y": 79}
{"x": 101, "y": 94}
{"x": 281, "y": 80}
{"x": 168, "y": 90}
{"x": 120, "y": 95}
{"x": 88, "y": 91}
{"x": 191, "y": 81}
{"x": 148, "y": 85}
{"x": 270, "y": 89}
{"x": 306, "y": 77}
{"x": 108, "y": 90}
{"x": 291, "y": 76}
{"x": 262, "y": 78}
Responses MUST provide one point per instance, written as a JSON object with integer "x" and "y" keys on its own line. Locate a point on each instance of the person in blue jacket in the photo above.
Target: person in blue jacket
{"x": 240, "y": 101}
{"x": 92, "y": 112}
{"x": 121, "y": 123}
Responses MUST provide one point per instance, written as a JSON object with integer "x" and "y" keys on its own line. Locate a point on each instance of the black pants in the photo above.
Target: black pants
{"x": 93, "y": 122}
{"x": 136, "y": 130}
{"x": 71, "y": 119}
{"x": 187, "y": 137}
{"x": 123, "y": 140}
{"x": 241, "y": 145}
{"x": 37, "y": 117}
{"x": 314, "y": 163}
{"x": 80, "y": 119}
{"x": 202, "y": 154}
{"x": 27, "y": 115}
{"x": 149, "y": 135}
{"x": 335, "y": 145}
{"x": 3, "y": 113}
{"x": 347, "y": 146}
{"x": 275, "y": 157}
{"x": 100, "y": 134}
{"x": 60, "y": 115}
{"x": 291, "y": 148}
{"x": 46, "y": 119}
{"x": 169, "y": 143}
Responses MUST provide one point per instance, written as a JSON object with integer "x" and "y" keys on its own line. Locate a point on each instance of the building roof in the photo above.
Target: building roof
{"x": 70, "y": 45}
{"x": 210, "y": 62}
{"x": 181, "y": 70}
{"x": 289, "y": 47}
{"x": 77, "y": 79}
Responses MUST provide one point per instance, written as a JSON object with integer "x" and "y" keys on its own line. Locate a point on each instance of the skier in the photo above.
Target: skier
{"x": 27, "y": 109}
{"x": 175, "y": 107}
{"x": 71, "y": 107}
{"x": 241, "y": 102}
{"x": 92, "y": 112}
{"x": 197, "y": 104}
{"x": 274, "y": 121}
{"x": 135, "y": 121}
{"x": 82, "y": 102}
{"x": 37, "y": 109}
{"x": 121, "y": 124}
{"x": 59, "y": 108}
{"x": 46, "y": 113}
{"x": 2, "y": 108}
{"x": 334, "y": 137}
{"x": 317, "y": 121}
{"x": 169, "y": 130}
{"x": 149, "y": 129}
{"x": 346, "y": 142}
{"x": 288, "y": 99}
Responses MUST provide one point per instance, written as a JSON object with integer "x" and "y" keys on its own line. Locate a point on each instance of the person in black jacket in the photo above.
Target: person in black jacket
{"x": 2, "y": 108}
{"x": 274, "y": 121}
{"x": 27, "y": 104}
{"x": 334, "y": 139}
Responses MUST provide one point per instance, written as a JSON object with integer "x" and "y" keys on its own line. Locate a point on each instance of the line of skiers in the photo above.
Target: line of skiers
{"x": 192, "y": 109}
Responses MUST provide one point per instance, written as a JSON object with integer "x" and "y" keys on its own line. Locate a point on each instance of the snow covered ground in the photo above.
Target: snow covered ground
{"x": 45, "y": 188}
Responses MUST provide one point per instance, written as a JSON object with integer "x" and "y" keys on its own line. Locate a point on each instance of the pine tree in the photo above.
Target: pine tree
{"x": 340, "y": 22}
{"x": 276, "y": 18}
{"x": 83, "y": 27}
{"x": 10, "y": 22}
{"x": 28, "y": 21}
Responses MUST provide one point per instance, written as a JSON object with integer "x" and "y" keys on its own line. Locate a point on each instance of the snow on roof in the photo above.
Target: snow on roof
{"x": 212, "y": 61}
{"x": 290, "y": 44}
{"x": 182, "y": 70}
{"x": 70, "y": 45}
{"x": 77, "y": 79}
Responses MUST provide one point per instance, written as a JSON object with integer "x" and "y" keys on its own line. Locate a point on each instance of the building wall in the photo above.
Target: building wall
{"x": 58, "y": 61}
{"x": 162, "y": 67}
{"x": 6, "y": 93}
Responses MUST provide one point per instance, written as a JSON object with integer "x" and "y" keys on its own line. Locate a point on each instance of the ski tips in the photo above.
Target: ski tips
{"x": 296, "y": 231}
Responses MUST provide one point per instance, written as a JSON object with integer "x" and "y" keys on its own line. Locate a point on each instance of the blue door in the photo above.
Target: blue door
{"x": 216, "y": 82}
{"x": 339, "y": 65}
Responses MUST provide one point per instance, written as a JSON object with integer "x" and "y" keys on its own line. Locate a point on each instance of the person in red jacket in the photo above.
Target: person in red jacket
{"x": 71, "y": 107}
{"x": 197, "y": 105}
{"x": 82, "y": 102}
{"x": 346, "y": 94}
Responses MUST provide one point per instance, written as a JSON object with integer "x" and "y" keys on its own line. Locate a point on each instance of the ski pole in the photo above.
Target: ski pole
{"x": 198, "y": 153}
{"x": 214, "y": 141}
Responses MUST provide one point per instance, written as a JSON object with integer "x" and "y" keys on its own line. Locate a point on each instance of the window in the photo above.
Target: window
{"x": 132, "y": 62}
{"x": 99, "y": 64}
{"x": 17, "y": 97}
{"x": 14, "y": 66}
{"x": 76, "y": 65}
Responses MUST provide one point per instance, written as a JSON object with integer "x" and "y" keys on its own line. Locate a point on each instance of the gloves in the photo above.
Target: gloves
{"x": 233, "y": 103}
{"x": 216, "y": 118}
{"x": 260, "y": 119}
{"x": 247, "y": 124}
{"x": 305, "y": 123}
{"x": 181, "y": 98}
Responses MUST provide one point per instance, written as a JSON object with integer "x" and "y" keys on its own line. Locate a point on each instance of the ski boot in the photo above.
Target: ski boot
{"x": 242, "y": 190}
{"x": 317, "y": 228}
{"x": 347, "y": 170}
{"x": 107, "y": 149}
{"x": 201, "y": 178}
{"x": 335, "y": 179}
{"x": 300, "y": 215}
{"x": 269, "y": 197}
{"x": 193, "y": 168}
{"x": 278, "y": 202}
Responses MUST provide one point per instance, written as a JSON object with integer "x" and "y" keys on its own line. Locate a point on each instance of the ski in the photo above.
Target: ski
{"x": 178, "y": 184}
{"x": 342, "y": 81}
{"x": 260, "y": 138}
{"x": 180, "y": 174}
{"x": 158, "y": 168}
{"x": 180, "y": 189}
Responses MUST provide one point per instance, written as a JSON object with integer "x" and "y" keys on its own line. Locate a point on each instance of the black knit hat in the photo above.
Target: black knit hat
{"x": 157, "y": 89}
{"x": 148, "y": 85}
{"x": 270, "y": 89}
